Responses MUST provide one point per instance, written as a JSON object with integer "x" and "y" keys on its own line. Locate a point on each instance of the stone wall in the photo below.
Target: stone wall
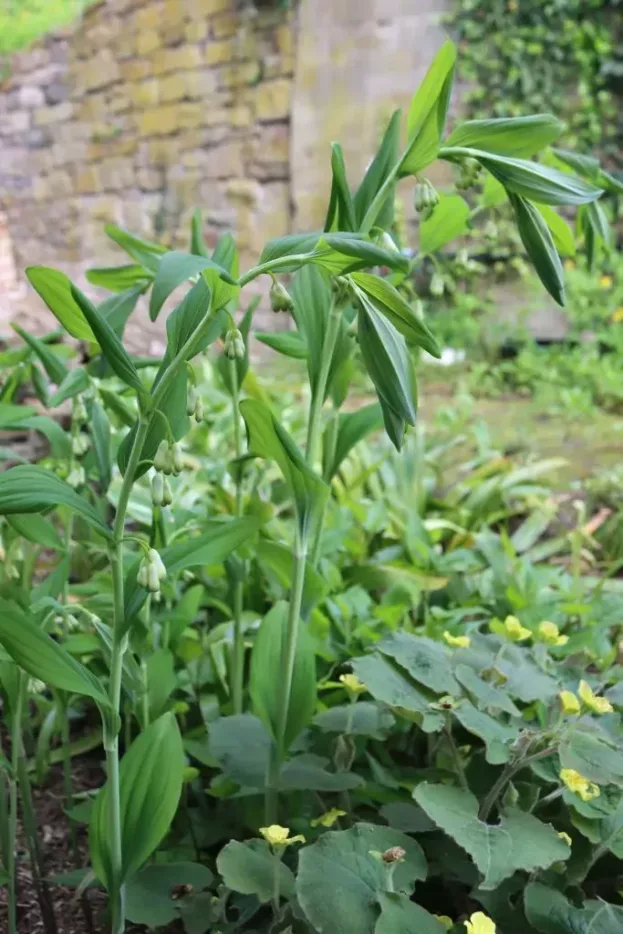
{"x": 144, "y": 111}
{"x": 148, "y": 108}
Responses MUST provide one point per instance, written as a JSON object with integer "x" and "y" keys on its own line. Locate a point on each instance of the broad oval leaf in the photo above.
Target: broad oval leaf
{"x": 42, "y": 657}
{"x": 119, "y": 278}
{"x": 250, "y": 867}
{"x": 27, "y": 488}
{"x": 175, "y": 268}
{"x": 508, "y": 136}
{"x": 448, "y": 221}
{"x": 152, "y": 898}
{"x": 37, "y": 529}
{"x": 151, "y": 779}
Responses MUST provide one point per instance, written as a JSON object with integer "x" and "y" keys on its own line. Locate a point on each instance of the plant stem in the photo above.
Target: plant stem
{"x": 16, "y": 716}
{"x": 67, "y": 782}
{"x": 120, "y": 641}
{"x": 456, "y": 757}
{"x": 237, "y": 661}
{"x": 506, "y": 776}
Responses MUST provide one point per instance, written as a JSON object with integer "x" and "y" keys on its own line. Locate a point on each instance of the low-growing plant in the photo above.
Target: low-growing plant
{"x": 199, "y": 598}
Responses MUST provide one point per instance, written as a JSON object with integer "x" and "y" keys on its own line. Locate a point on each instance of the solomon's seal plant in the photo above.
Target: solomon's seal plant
{"x": 242, "y": 689}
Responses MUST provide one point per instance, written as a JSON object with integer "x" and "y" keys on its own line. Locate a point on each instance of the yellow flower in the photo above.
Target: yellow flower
{"x": 605, "y": 282}
{"x": 514, "y": 631}
{"x": 550, "y": 633}
{"x": 617, "y": 315}
{"x": 570, "y": 703}
{"x": 565, "y": 838}
{"x": 352, "y": 684}
{"x": 328, "y": 818}
{"x": 479, "y": 923}
{"x": 569, "y": 264}
{"x": 579, "y": 785}
{"x": 445, "y": 920}
{"x": 456, "y": 642}
{"x": 596, "y": 704}
{"x": 280, "y": 836}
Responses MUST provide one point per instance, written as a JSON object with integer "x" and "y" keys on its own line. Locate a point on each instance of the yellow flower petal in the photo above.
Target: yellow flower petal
{"x": 275, "y": 835}
{"x": 550, "y": 633}
{"x": 570, "y": 703}
{"x": 456, "y": 642}
{"x": 579, "y": 785}
{"x": 605, "y": 282}
{"x": 597, "y": 704}
{"x": 480, "y": 923}
{"x": 514, "y": 630}
{"x": 328, "y": 818}
{"x": 352, "y": 684}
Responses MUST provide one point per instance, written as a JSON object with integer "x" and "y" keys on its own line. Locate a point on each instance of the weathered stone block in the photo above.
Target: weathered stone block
{"x": 238, "y": 74}
{"x": 224, "y": 25}
{"x": 201, "y": 84}
{"x": 145, "y": 93}
{"x": 197, "y": 30}
{"x": 271, "y": 152}
{"x": 88, "y": 181}
{"x": 134, "y": 70}
{"x": 30, "y": 97}
{"x": 218, "y": 52}
{"x": 173, "y": 87}
{"x": 272, "y": 99}
{"x": 208, "y": 7}
{"x": 157, "y": 121}
{"x": 147, "y": 41}
{"x": 178, "y": 59}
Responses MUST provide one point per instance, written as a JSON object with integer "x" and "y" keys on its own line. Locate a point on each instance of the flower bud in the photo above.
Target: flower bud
{"x": 142, "y": 576}
{"x": 191, "y": 401}
{"x": 157, "y": 490}
{"x": 79, "y": 444}
{"x": 199, "y": 410}
{"x": 437, "y": 285}
{"x": 234, "y": 344}
{"x": 388, "y": 243}
{"x": 177, "y": 458}
{"x": 79, "y": 412}
{"x": 76, "y": 476}
{"x": 167, "y": 495}
{"x": 155, "y": 560}
{"x": 153, "y": 580}
{"x": 280, "y": 297}
{"x": 162, "y": 460}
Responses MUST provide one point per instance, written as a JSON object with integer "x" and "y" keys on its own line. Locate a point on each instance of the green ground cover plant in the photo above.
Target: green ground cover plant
{"x": 331, "y": 696}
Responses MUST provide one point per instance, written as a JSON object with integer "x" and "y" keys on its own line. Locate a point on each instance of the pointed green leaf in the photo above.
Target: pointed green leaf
{"x": 197, "y": 243}
{"x": 42, "y": 657}
{"x": 151, "y": 779}
{"x": 27, "y": 488}
{"x": 119, "y": 278}
{"x": 56, "y": 370}
{"x": 288, "y": 343}
{"x": 341, "y": 213}
{"x": 175, "y": 268}
{"x": 99, "y": 428}
{"x": 562, "y": 235}
{"x": 266, "y": 667}
{"x": 36, "y": 529}
{"x": 56, "y": 291}
{"x": 377, "y": 173}
{"x": 388, "y": 300}
{"x": 112, "y": 348}
{"x": 427, "y": 113}
{"x": 144, "y": 252}
{"x": 538, "y": 241}
{"x": 75, "y": 382}
{"x": 518, "y": 842}
{"x": 311, "y": 294}
{"x": 508, "y": 136}
{"x": 278, "y": 560}
{"x": 352, "y": 428}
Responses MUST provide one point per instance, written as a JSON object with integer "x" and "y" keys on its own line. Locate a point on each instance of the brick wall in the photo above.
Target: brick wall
{"x": 142, "y": 112}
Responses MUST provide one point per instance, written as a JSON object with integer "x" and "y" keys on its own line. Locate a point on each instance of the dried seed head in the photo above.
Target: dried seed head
{"x": 395, "y": 854}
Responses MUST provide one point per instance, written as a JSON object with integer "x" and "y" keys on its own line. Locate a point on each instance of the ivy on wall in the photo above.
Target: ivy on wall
{"x": 563, "y": 56}
{"x": 22, "y": 22}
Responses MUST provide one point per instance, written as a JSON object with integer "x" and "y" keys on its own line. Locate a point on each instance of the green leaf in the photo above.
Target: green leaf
{"x": 341, "y": 883}
{"x": 99, "y": 429}
{"x": 197, "y": 243}
{"x": 279, "y": 560}
{"x": 508, "y": 136}
{"x": 361, "y": 719}
{"x": 449, "y": 220}
{"x": 311, "y": 294}
{"x": 75, "y": 382}
{"x": 267, "y": 438}
{"x": 151, "y": 779}
{"x": 60, "y": 441}
{"x": 399, "y": 915}
{"x": 112, "y": 348}
{"x": 151, "y": 894}
{"x": 382, "y": 295}
{"x": 352, "y": 428}
{"x": 497, "y": 736}
{"x": 42, "y": 657}
{"x": 338, "y": 252}
{"x": 427, "y": 113}
{"x": 538, "y": 241}
{"x": 562, "y": 235}
{"x": 589, "y": 754}
{"x": 390, "y": 368}
{"x": 56, "y": 291}
{"x": 27, "y": 488}
{"x": 341, "y": 212}
{"x": 427, "y": 661}
{"x": 390, "y": 684}
{"x": 144, "y": 252}
{"x": 115, "y": 404}
{"x": 487, "y": 696}
{"x": 518, "y": 842}
{"x": 250, "y": 868}
{"x": 308, "y": 772}
{"x": 241, "y": 745}
{"x": 266, "y": 667}
{"x": 530, "y": 180}
{"x": 549, "y": 912}
{"x": 118, "y": 308}
{"x": 217, "y": 541}
{"x": 288, "y": 343}
{"x": 56, "y": 370}
{"x": 36, "y": 529}
{"x": 377, "y": 173}
{"x": 119, "y": 278}
{"x": 175, "y": 268}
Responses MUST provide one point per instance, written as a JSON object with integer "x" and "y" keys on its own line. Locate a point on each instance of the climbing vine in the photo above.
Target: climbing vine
{"x": 565, "y": 56}
{"x": 22, "y": 22}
